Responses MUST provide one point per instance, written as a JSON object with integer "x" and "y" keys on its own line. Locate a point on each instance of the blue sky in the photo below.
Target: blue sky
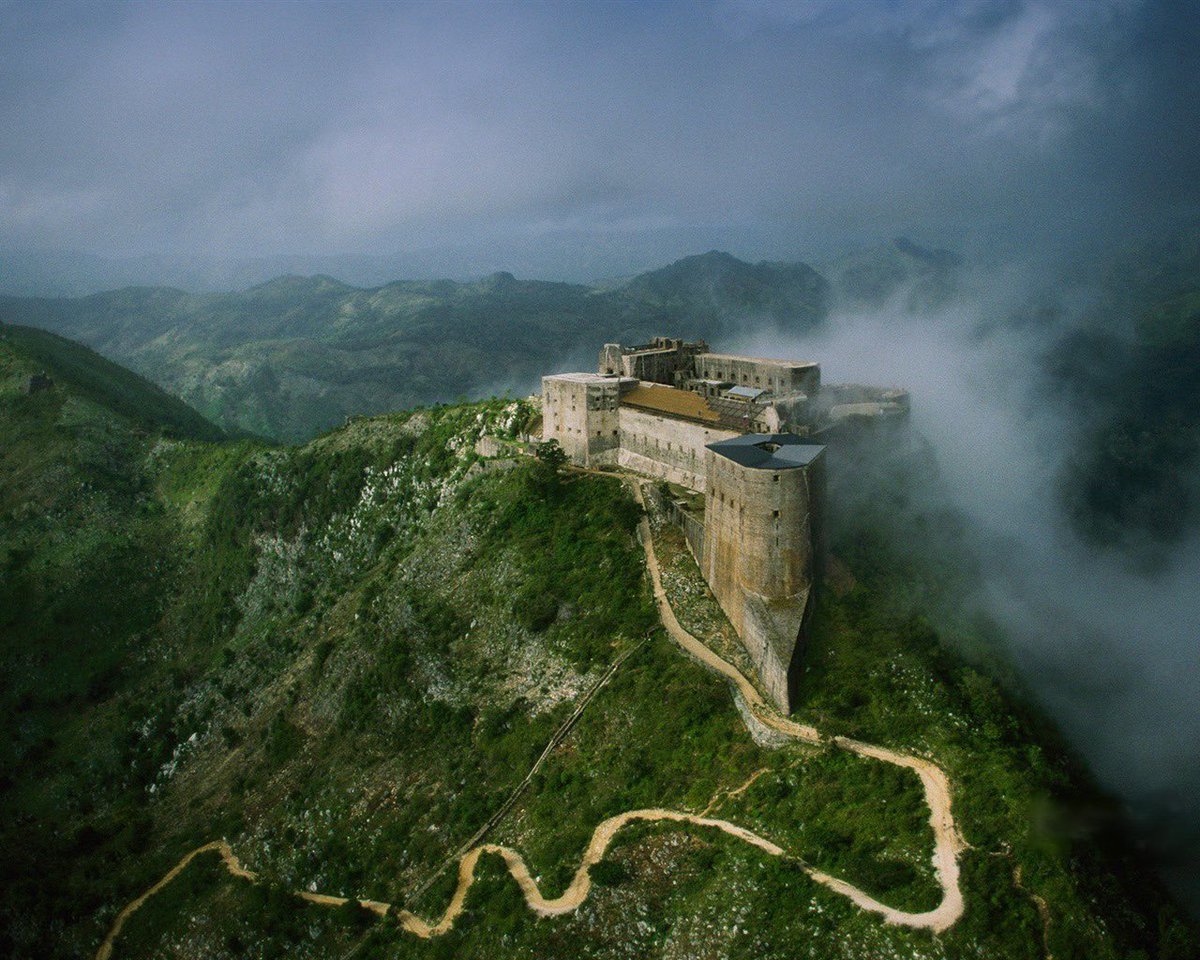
{"x": 261, "y": 128}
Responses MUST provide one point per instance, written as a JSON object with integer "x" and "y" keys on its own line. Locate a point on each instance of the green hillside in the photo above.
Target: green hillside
{"x": 92, "y": 377}
{"x": 289, "y": 358}
{"x": 343, "y": 657}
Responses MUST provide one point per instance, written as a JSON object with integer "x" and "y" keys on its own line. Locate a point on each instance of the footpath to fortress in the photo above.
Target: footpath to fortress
{"x": 746, "y": 432}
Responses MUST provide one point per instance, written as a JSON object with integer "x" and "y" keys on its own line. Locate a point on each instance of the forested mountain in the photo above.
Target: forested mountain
{"x": 297, "y": 355}
{"x": 100, "y": 381}
{"x": 338, "y": 657}
{"x": 869, "y": 278}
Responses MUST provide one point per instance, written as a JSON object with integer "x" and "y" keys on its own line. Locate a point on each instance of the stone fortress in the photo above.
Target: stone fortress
{"x": 746, "y": 432}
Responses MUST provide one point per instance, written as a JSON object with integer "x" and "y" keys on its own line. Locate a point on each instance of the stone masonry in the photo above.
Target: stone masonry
{"x": 761, "y": 548}
{"x": 742, "y": 430}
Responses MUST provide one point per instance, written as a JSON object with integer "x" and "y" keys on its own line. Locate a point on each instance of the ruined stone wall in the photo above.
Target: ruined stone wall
{"x": 692, "y": 527}
{"x": 665, "y": 447}
{"x": 658, "y": 361}
{"x": 610, "y": 359}
{"x": 758, "y": 558}
{"x": 657, "y": 366}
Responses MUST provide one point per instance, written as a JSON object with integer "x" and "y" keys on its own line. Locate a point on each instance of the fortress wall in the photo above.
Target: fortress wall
{"x": 778, "y": 376}
{"x": 580, "y": 412}
{"x": 657, "y": 361}
{"x": 657, "y": 366}
{"x": 758, "y": 558}
{"x": 665, "y": 447}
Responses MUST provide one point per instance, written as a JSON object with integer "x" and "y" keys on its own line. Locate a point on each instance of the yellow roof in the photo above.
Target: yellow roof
{"x": 680, "y": 403}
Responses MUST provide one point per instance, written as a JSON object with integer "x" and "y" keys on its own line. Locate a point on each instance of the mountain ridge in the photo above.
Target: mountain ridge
{"x": 296, "y": 355}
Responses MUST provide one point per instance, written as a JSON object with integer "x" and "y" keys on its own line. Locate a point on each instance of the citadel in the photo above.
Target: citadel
{"x": 749, "y": 434}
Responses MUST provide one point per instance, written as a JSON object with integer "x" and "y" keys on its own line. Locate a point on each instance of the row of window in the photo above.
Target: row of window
{"x": 635, "y": 440}
{"x": 741, "y": 507}
{"x": 719, "y": 375}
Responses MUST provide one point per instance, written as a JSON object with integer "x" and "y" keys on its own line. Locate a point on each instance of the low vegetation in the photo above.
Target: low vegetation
{"x": 344, "y": 656}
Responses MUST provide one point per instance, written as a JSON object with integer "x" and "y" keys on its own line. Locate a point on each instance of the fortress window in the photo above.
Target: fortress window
{"x": 614, "y": 433}
{"x": 776, "y": 478}
{"x": 775, "y": 514}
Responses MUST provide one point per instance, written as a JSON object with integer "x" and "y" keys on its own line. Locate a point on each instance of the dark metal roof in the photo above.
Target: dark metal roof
{"x": 768, "y": 451}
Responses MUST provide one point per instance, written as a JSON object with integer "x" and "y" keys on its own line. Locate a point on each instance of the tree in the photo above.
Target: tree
{"x": 550, "y": 460}
{"x": 551, "y": 455}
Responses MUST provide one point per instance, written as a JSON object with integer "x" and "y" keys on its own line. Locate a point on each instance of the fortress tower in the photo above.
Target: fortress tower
{"x": 579, "y": 410}
{"x": 761, "y": 546}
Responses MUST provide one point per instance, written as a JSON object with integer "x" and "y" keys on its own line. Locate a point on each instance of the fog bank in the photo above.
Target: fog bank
{"x": 1112, "y": 652}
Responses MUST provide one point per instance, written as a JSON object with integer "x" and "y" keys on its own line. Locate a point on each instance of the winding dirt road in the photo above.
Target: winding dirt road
{"x": 948, "y": 842}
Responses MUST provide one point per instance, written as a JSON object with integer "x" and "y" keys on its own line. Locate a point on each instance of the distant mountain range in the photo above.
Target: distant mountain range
{"x": 581, "y": 256}
{"x": 296, "y": 355}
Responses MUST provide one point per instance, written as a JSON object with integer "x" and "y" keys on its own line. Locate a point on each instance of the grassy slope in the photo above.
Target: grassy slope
{"x": 338, "y": 656}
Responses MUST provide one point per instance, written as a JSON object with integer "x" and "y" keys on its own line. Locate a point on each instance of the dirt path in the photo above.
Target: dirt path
{"x": 217, "y": 846}
{"x": 724, "y": 796}
{"x": 1039, "y": 903}
{"x": 948, "y": 842}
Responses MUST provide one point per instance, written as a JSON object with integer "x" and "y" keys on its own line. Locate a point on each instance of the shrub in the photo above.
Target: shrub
{"x": 353, "y": 915}
{"x": 608, "y": 873}
{"x": 535, "y": 609}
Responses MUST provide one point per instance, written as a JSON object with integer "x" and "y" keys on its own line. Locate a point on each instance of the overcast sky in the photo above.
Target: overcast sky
{"x": 262, "y": 128}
